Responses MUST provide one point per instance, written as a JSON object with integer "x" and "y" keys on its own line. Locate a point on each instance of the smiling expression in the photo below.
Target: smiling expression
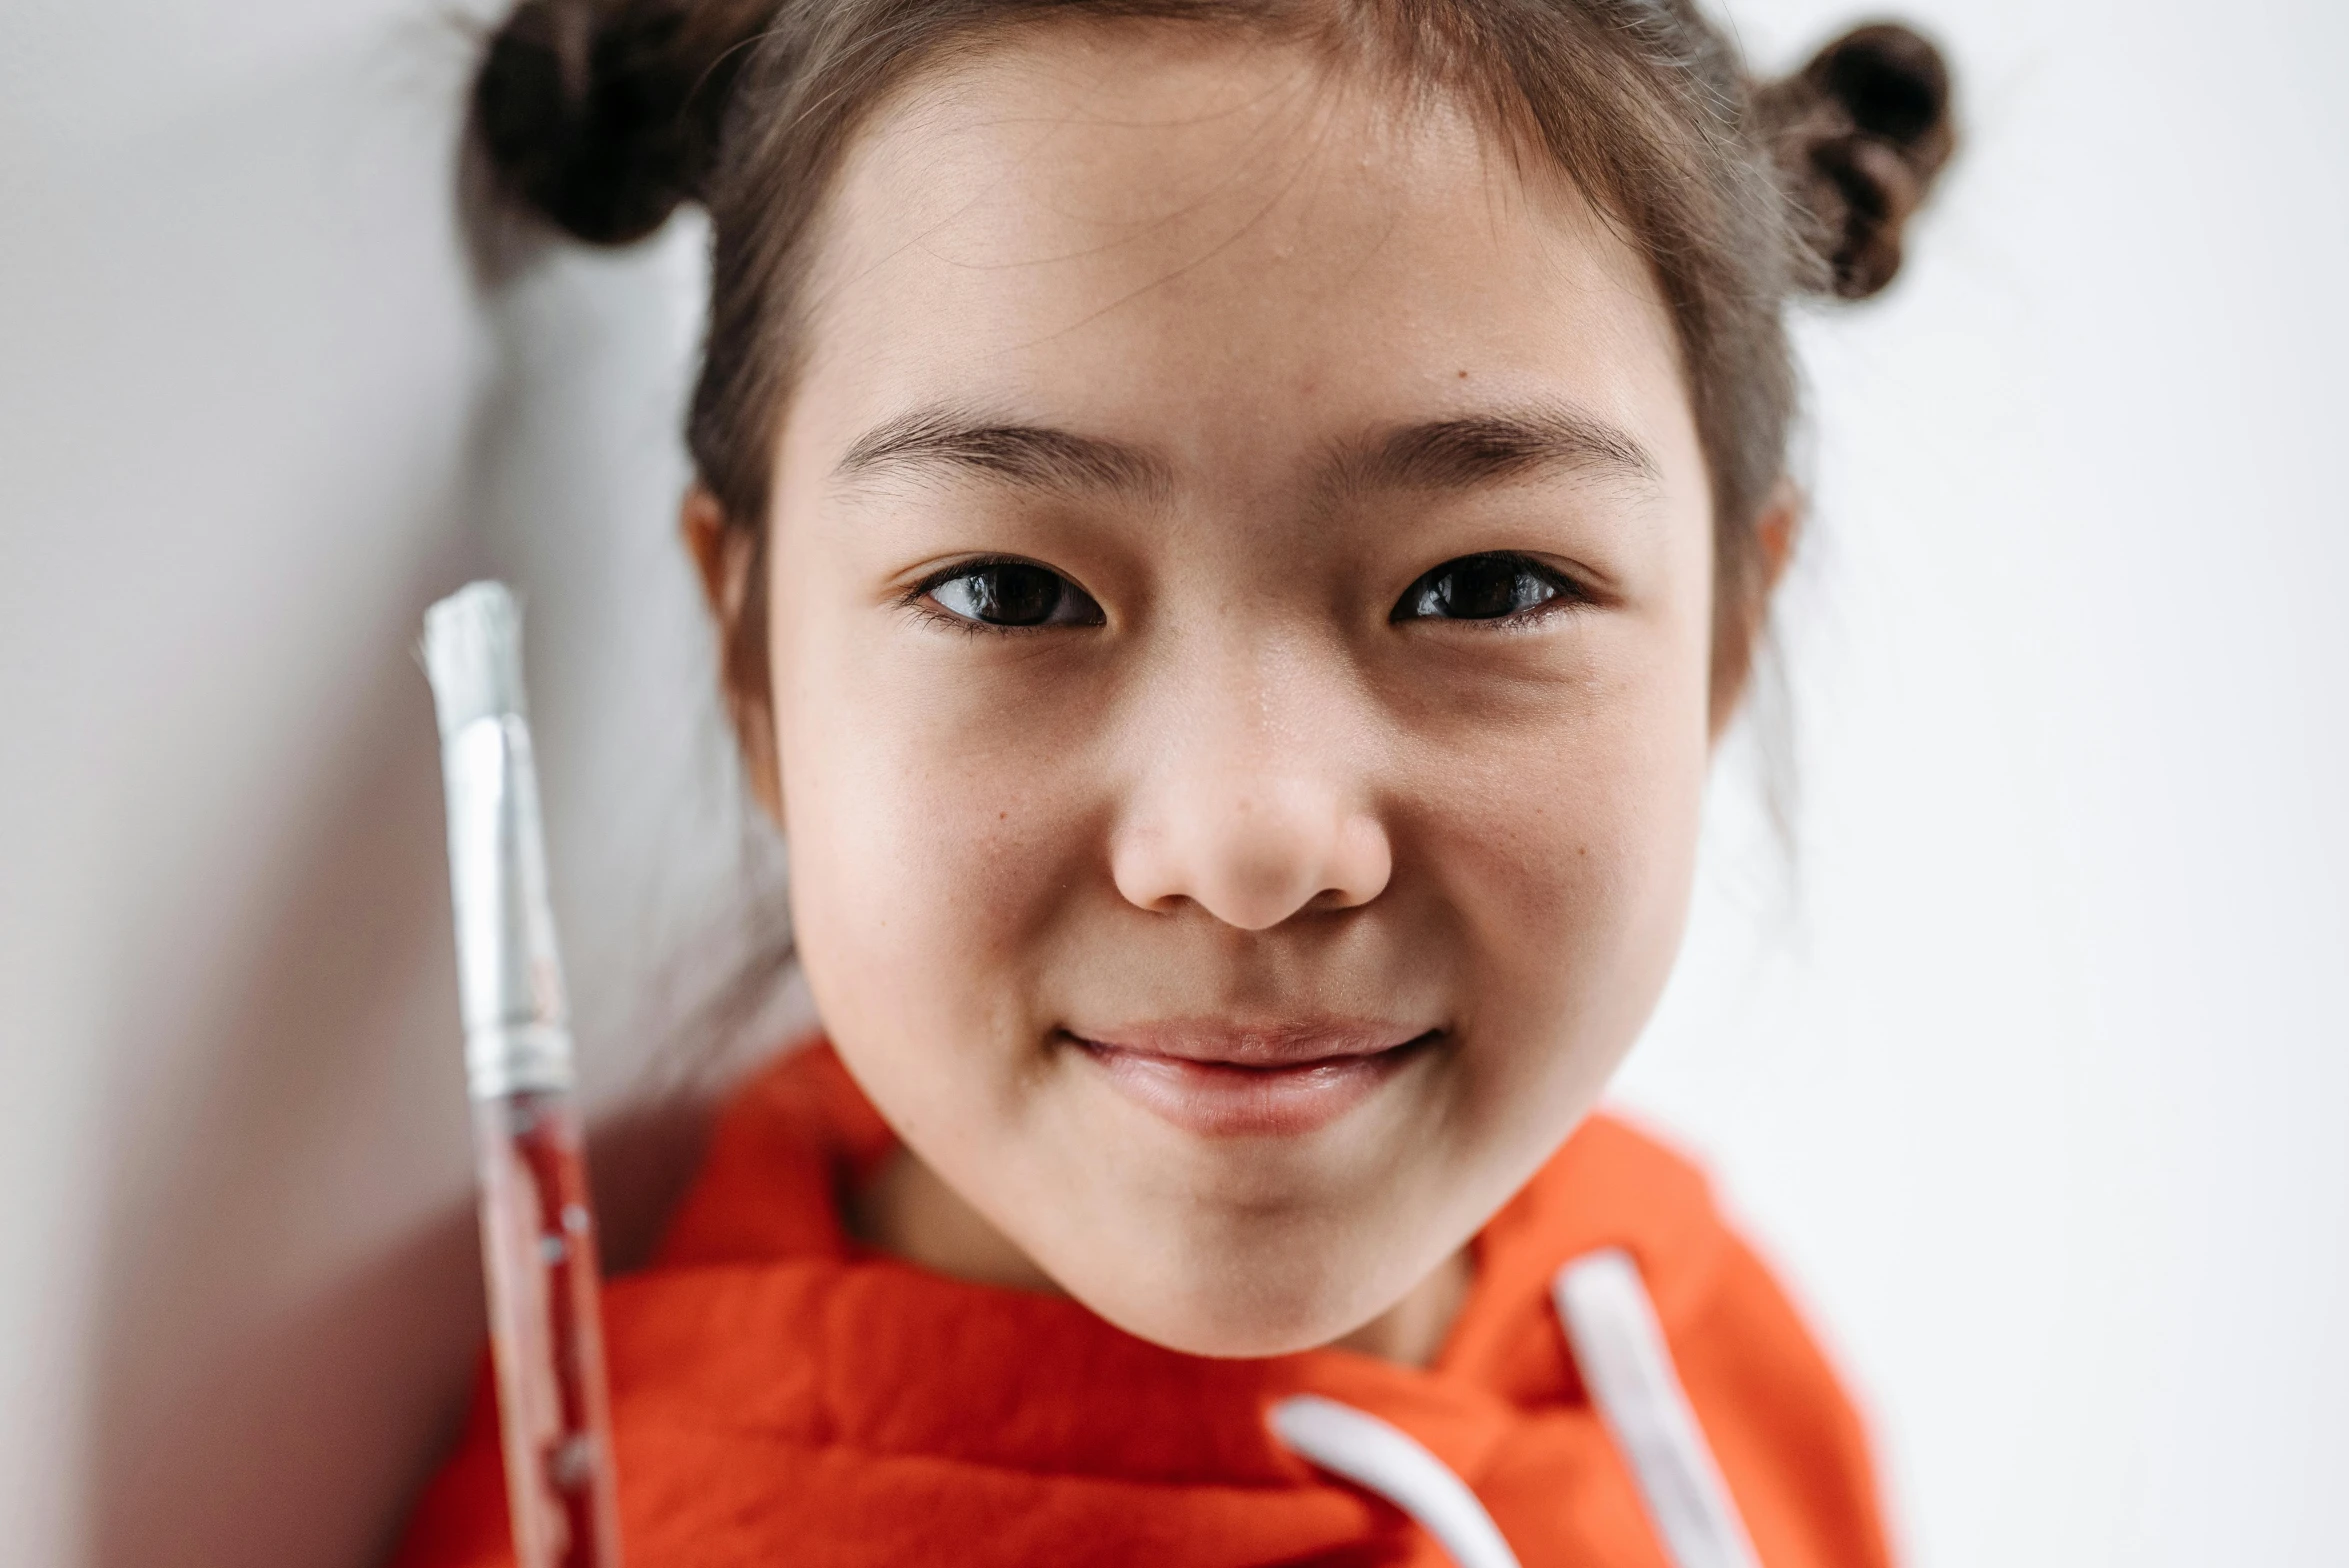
{"x": 1240, "y": 596}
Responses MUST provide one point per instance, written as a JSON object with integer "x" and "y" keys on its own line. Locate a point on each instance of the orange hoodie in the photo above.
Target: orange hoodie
{"x": 782, "y": 1397}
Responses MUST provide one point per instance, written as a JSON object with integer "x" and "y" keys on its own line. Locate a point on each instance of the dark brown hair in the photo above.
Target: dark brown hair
{"x": 603, "y": 115}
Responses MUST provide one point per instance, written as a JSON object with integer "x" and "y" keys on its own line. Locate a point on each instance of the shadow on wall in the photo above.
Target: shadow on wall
{"x": 277, "y": 1333}
{"x": 291, "y": 1289}
{"x": 288, "y": 1286}
{"x": 265, "y": 1391}
{"x": 284, "y": 1280}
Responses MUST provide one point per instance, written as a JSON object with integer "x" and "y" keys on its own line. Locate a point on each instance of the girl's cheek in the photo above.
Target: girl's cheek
{"x": 1565, "y": 849}
{"x": 935, "y": 819}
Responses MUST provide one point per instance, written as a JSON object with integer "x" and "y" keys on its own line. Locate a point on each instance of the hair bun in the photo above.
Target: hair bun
{"x": 1861, "y": 133}
{"x": 599, "y": 116}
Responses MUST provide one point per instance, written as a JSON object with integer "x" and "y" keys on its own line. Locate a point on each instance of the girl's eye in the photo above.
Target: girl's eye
{"x": 1491, "y": 587}
{"x": 1013, "y": 593}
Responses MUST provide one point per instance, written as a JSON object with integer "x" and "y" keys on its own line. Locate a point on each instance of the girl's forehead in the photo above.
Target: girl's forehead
{"x": 1189, "y": 230}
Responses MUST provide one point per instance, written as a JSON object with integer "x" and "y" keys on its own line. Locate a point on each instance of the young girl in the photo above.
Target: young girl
{"x": 1234, "y": 527}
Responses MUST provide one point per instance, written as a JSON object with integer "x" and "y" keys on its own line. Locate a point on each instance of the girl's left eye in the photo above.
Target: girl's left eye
{"x": 1490, "y": 587}
{"x": 1012, "y": 594}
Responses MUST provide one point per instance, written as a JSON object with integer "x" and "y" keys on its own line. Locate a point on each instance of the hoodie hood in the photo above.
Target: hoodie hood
{"x": 781, "y": 1394}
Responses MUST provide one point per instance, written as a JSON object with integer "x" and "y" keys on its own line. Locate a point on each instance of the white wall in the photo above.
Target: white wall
{"x": 2036, "y": 1077}
{"x": 2043, "y": 1094}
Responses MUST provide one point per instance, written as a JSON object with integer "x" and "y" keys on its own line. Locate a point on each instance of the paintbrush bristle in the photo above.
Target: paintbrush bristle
{"x": 473, "y": 655}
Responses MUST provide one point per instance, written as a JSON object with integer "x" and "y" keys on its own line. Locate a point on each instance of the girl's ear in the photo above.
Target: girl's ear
{"x": 1776, "y": 531}
{"x": 702, "y": 523}
{"x": 728, "y": 560}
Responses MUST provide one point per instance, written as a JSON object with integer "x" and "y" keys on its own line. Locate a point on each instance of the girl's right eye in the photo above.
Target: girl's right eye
{"x": 1011, "y": 594}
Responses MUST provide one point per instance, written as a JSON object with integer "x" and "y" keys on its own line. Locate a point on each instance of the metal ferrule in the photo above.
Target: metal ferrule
{"x": 517, "y": 1028}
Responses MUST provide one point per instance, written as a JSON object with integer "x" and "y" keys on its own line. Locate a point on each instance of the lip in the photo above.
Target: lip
{"x": 1223, "y": 1080}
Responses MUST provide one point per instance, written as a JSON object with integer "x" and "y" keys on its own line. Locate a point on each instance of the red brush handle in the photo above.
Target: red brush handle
{"x": 546, "y": 1333}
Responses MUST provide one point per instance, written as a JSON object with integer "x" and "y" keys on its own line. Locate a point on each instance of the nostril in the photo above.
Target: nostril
{"x": 1251, "y": 857}
{"x": 1362, "y": 864}
{"x": 1267, "y": 888}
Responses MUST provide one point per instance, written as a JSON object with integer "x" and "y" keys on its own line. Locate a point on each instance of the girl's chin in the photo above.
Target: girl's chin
{"x": 1242, "y": 1287}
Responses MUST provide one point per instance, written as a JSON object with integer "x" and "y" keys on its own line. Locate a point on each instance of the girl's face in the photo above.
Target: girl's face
{"x": 1241, "y": 586}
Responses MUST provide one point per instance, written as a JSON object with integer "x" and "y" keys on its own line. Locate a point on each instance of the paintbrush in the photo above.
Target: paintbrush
{"x": 537, "y": 1222}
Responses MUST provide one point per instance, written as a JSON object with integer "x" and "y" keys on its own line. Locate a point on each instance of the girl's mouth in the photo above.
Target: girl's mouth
{"x": 1212, "y": 1079}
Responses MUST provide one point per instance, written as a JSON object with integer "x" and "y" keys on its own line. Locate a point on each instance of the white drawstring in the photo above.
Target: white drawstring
{"x": 1620, "y": 1348}
{"x": 1386, "y": 1460}
{"x": 1627, "y": 1366}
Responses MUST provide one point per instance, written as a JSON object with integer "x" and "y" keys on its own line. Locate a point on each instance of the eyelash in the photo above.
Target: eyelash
{"x": 1566, "y": 593}
{"x": 917, "y": 599}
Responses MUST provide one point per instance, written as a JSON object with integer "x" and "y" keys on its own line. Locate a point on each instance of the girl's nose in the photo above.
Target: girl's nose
{"x": 1251, "y": 822}
{"x": 1251, "y": 851}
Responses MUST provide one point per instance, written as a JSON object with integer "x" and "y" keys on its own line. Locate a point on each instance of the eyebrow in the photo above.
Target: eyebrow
{"x": 1489, "y": 448}
{"x": 1458, "y": 453}
{"x": 1037, "y": 455}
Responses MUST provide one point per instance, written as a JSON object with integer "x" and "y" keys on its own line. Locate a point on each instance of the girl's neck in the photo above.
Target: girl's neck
{"x": 909, "y": 1212}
